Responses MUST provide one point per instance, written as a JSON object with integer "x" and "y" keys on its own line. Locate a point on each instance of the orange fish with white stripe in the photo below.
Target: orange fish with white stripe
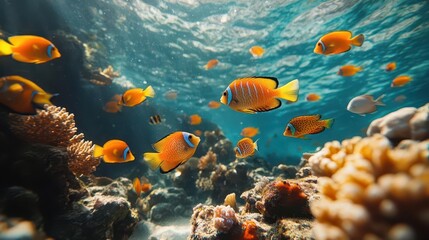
{"x": 29, "y": 49}
{"x": 258, "y": 94}
{"x": 172, "y": 151}
{"x": 245, "y": 148}
{"x": 337, "y": 42}
{"x": 114, "y": 151}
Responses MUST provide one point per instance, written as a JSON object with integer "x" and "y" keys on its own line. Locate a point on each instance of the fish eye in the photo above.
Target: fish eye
{"x": 190, "y": 137}
{"x": 224, "y": 93}
{"x": 319, "y": 44}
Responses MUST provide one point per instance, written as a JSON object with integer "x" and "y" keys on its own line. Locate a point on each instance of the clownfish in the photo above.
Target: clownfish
{"x": 258, "y": 94}
{"x": 245, "y": 148}
{"x": 211, "y": 64}
{"x": 114, "y": 151}
{"x": 22, "y": 95}
{"x": 300, "y": 126}
{"x": 135, "y": 96}
{"x": 172, "y": 151}
{"x": 337, "y": 42}
{"x": 257, "y": 51}
{"x": 348, "y": 70}
{"x": 249, "y": 132}
{"x": 29, "y": 49}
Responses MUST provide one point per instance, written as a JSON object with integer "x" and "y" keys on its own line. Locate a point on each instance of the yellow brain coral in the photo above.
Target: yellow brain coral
{"x": 370, "y": 190}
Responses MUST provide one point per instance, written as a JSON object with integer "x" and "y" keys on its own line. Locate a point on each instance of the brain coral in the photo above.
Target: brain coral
{"x": 370, "y": 190}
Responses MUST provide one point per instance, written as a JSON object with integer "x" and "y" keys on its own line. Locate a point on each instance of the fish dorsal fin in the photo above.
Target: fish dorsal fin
{"x": 158, "y": 146}
{"x": 369, "y": 97}
{"x": 17, "y": 40}
{"x": 315, "y": 117}
{"x": 344, "y": 33}
{"x": 268, "y": 82}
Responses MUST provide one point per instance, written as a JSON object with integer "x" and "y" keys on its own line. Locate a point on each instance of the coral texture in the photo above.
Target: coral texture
{"x": 224, "y": 218}
{"x": 406, "y": 123}
{"x": 56, "y": 127}
{"x": 370, "y": 190}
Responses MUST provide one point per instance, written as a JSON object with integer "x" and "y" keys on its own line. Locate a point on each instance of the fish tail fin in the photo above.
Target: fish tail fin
{"x": 358, "y": 40}
{"x": 360, "y": 68}
{"x": 149, "y": 92}
{"x": 5, "y": 48}
{"x": 152, "y": 159}
{"x": 328, "y": 122}
{"x": 98, "y": 151}
{"x": 289, "y": 91}
{"x": 43, "y": 98}
{"x": 379, "y": 102}
{"x": 255, "y": 144}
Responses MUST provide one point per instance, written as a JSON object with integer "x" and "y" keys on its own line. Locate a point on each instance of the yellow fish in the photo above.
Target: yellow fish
{"x": 135, "y": 96}
{"x": 140, "y": 186}
{"x": 172, "y": 151}
{"x": 258, "y": 94}
{"x": 114, "y": 151}
{"x": 300, "y": 126}
{"x": 245, "y": 148}
{"x": 195, "y": 119}
{"x": 249, "y": 132}
{"x": 29, "y": 49}
{"x": 337, "y": 42}
{"x": 390, "y": 66}
{"x": 257, "y": 51}
{"x": 400, "y": 81}
{"x": 22, "y": 95}
{"x": 348, "y": 70}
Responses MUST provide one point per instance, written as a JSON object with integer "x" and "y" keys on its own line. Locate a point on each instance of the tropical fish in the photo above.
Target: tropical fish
{"x": 198, "y": 132}
{"x": 258, "y": 94}
{"x": 142, "y": 185}
{"x": 135, "y": 96}
{"x": 364, "y": 104}
{"x": 391, "y": 66}
{"x": 172, "y": 151}
{"x": 245, "y": 148}
{"x": 112, "y": 107}
{"x": 337, "y": 42}
{"x": 195, "y": 119}
{"x": 256, "y": 51}
{"x": 22, "y": 95}
{"x": 249, "y": 132}
{"x": 29, "y": 49}
{"x": 400, "y": 98}
{"x": 300, "y": 126}
{"x": 312, "y": 97}
{"x": 348, "y": 70}
{"x": 171, "y": 95}
{"x": 155, "y": 119}
{"x": 211, "y": 64}
{"x": 114, "y": 151}
{"x": 400, "y": 81}
{"x": 213, "y": 104}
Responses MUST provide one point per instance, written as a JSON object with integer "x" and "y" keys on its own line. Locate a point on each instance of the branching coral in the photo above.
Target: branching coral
{"x": 208, "y": 161}
{"x": 370, "y": 190}
{"x": 56, "y": 127}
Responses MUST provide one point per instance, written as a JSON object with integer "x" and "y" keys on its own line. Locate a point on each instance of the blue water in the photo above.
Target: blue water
{"x": 166, "y": 44}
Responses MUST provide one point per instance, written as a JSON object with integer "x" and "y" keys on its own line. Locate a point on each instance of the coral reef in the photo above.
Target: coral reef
{"x": 406, "y": 123}
{"x": 56, "y": 127}
{"x": 219, "y": 144}
{"x": 224, "y": 218}
{"x": 370, "y": 190}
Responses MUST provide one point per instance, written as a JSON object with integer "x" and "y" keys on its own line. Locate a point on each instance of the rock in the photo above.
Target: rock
{"x": 284, "y": 171}
{"x": 405, "y": 123}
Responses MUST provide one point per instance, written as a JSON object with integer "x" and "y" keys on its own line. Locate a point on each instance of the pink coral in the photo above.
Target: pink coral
{"x": 224, "y": 218}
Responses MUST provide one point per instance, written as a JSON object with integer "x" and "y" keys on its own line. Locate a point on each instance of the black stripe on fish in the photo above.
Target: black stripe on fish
{"x": 156, "y": 119}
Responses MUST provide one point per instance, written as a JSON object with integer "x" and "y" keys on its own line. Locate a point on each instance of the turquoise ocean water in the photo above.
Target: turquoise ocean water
{"x": 166, "y": 44}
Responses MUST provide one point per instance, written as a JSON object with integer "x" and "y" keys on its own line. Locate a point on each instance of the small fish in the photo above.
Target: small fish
{"x": 256, "y": 51}
{"x": 155, "y": 119}
{"x": 337, "y": 42}
{"x": 211, "y": 64}
{"x": 195, "y": 119}
{"x": 114, "y": 151}
{"x": 245, "y": 148}
{"x": 22, "y": 95}
{"x": 29, "y": 49}
{"x": 213, "y": 104}
{"x": 249, "y": 132}
{"x": 172, "y": 151}
{"x": 135, "y": 96}
{"x": 171, "y": 95}
{"x": 348, "y": 70}
{"x": 198, "y": 132}
{"x": 400, "y": 81}
{"x": 300, "y": 126}
{"x": 258, "y": 94}
{"x": 364, "y": 104}
{"x": 391, "y": 66}
{"x": 142, "y": 185}
{"x": 400, "y": 98}
{"x": 112, "y": 107}
{"x": 312, "y": 97}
